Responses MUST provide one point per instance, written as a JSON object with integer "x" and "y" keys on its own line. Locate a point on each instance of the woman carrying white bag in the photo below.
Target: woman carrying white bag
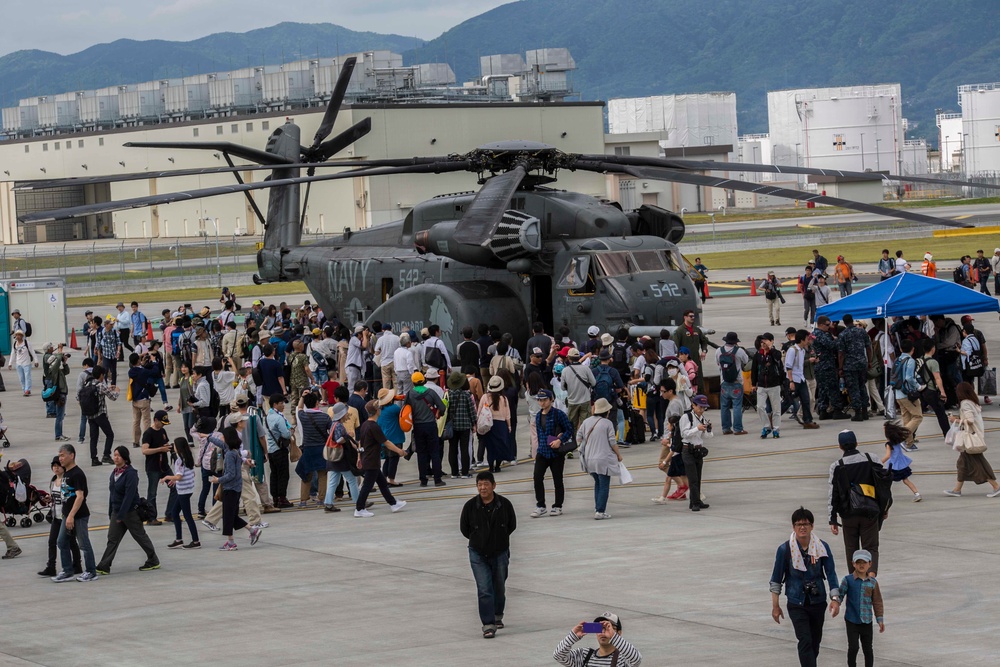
{"x": 599, "y": 455}
{"x": 967, "y": 438}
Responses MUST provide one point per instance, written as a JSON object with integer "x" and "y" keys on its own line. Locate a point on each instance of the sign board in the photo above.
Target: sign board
{"x": 42, "y": 302}
{"x": 260, "y": 245}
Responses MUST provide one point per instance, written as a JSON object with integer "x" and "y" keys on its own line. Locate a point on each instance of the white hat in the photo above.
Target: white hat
{"x": 928, "y": 256}
{"x": 359, "y": 327}
{"x": 601, "y": 406}
{"x": 593, "y": 331}
{"x": 607, "y": 339}
{"x": 432, "y": 373}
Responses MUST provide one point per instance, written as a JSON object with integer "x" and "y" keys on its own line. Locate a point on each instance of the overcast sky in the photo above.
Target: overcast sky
{"x": 63, "y": 27}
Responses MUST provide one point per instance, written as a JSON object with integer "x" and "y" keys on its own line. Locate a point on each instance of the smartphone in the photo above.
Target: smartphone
{"x": 593, "y": 628}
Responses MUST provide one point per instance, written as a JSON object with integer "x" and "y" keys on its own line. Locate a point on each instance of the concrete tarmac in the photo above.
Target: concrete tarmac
{"x": 396, "y": 589}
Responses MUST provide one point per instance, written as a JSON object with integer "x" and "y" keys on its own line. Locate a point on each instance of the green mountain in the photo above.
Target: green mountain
{"x": 31, "y": 73}
{"x": 626, "y": 48}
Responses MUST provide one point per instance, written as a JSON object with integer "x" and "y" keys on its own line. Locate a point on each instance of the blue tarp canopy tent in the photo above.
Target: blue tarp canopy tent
{"x": 910, "y": 294}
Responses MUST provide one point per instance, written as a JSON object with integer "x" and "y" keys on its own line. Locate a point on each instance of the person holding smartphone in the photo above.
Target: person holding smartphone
{"x": 613, "y": 648}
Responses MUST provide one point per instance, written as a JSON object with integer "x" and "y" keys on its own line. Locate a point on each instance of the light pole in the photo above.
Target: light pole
{"x": 965, "y": 144}
{"x": 944, "y": 152}
{"x": 218, "y": 265}
{"x": 878, "y": 163}
{"x": 862, "y": 151}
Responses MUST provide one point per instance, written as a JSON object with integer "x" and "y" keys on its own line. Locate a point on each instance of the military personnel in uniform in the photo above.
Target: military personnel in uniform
{"x": 827, "y": 382}
{"x": 855, "y": 354}
{"x": 693, "y": 338}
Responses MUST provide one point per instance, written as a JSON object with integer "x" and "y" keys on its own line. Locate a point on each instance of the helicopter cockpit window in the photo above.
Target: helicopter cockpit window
{"x": 578, "y": 277}
{"x": 671, "y": 260}
{"x": 616, "y": 263}
{"x": 648, "y": 260}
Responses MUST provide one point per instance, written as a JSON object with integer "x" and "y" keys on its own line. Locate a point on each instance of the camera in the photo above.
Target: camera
{"x": 811, "y": 589}
{"x": 708, "y": 426}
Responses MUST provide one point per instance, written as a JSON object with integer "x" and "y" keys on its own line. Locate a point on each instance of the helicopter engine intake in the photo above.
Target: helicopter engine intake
{"x": 517, "y": 237}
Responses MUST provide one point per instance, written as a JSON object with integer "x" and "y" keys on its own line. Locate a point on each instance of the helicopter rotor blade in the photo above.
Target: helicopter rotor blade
{"x": 487, "y": 208}
{"x": 168, "y": 198}
{"x": 712, "y": 165}
{"x": 336, "y": 100}
{"x": 245, "y": 152}
{"x": 329, "y": 148}
{"x": 661, "y": 174}
{"x": 26, "y": 186}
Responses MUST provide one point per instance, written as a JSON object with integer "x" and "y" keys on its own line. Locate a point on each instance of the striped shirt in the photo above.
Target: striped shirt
{"x": 565, "y": 654}
{"x": 108, "y": 343}
{"x": 185, "y": 485}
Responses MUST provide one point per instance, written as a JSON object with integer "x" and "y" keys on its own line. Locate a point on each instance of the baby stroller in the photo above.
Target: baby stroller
{"x": 33, "y": 507}
{"x": 4, "y": 441}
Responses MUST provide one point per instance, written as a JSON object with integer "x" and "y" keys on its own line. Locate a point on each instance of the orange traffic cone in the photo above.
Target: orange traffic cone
{"x": 798, "y": 286}
{"x": 753, "y": 286}
{"x": 707, "y": 295}
{"x": 72, "y": 340}
{"x": 149, "y": 331}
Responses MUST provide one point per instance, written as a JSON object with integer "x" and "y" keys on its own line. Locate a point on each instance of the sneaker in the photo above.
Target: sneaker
{"x": 262, "y": 525}
{"x": 601, "y": 515}
{"x": 192, "y": 545}
{"x": 149, "y": 566}
{"x": 95, "y": 462}
{"x": 795, "y": 416}
{"x": 538, "y": 511}
{"x": 764, "y": 432}
{"x": 168, "y": 408}
{"x": 400, "y": 504}
{"x": 135, "y": 445}
{"x": 62, "y": 438}
{"x": 255, "y": 532}
{"x": 103, "y": 573}
{"x": 916, "y": 497}
{"x": 624, "y": 445}
{"x": 994, "y": 494}
{"x": 331, "y": 508}
{"x": 810, "y": 425}
{"x": 176, "y": 544}
{"x": 911, "y": 448}
{"x": 363, "y": 514}
{"x": 79, "y": 442}
{"x": 775, "y": 434}
{"x": 953, "y": 494}
{"x": 87, "y": 576}
{"x": 211, "y": 526}
{"x": 440, "y": 482}
{"x": 108, "y": 460}
{"x": 659, "y": 500}
{"x": 13, "y": 552}
{"x": 154, "y": 522}
{"x": 555, "y": 511}
{"x": 455, "y": 477}
{"x": 228, "y": 546}
{"x": 513, "y": 463}
{"x": 48, "y": 572}
{"x": 740, "y": 432}
{"x": 62, "y": 576}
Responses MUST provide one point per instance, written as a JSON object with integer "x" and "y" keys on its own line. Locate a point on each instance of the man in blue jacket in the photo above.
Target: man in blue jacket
{"x": 802, "y": 564}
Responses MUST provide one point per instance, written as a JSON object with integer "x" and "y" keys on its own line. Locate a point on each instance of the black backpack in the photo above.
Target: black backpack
{"x": 619, "y": 357}
{"x": 958, "y": 275}
{"x": 90, "y": 399}
{"x": 727, "y": 364}
{"x": 27, "y": 329}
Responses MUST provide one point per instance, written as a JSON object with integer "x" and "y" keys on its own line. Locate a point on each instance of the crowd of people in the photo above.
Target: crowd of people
{"x": 362, "y": 397}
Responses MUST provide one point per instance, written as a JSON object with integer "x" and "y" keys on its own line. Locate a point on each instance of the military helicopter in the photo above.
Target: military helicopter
{"x": 514, "y": 252}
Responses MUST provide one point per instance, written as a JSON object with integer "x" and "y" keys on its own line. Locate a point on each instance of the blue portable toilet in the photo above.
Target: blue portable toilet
{"x": 5, "y": 341}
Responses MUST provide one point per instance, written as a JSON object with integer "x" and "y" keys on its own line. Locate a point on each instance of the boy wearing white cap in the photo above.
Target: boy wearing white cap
{"x": 862, "y": 604}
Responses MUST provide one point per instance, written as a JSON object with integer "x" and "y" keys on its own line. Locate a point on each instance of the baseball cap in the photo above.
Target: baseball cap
{"x": 247, "y": 364}
{"x": 359, "y": 327}
{"x": 241, "y": 400}
{"x": 257, "y": 302}
{"x": 861, "y": 554}
{"x": 847, "y": 438}
{"x": 417, "y": 377}
{"x": 537, "y": 352}
{"x": 564, "y": 352}
{"x": 162, "y": 416}
{"x": 573, "y": 353}
{"x": 683, "y": 350}
{"x": 789, "y": 331}
{"x": 386, "y": 327}
{"x": 544, "y": 393}
{"x": 316, "y": 331}
{"x": 236, "y": 418}
{"x": 767, "y": 335}
{"x": 593, "y": 331}
{"x": 15, "y": 312}
{"x": 701, "y": 400}
{"x": 967, "y": 318}
{"x": 611, "y": 618}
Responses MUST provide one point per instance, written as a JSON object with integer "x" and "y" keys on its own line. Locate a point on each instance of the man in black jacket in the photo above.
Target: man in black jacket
{"x": 861, "y": 524}
{"x": 766, "y": 375}
{"x": 487, "y": 521}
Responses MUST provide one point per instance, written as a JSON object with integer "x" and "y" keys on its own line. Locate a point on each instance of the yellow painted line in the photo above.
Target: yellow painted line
{"x": 808, "y": 226}
{"x": 972, "y": 231}
{"x": 963, "y": 217}
{"x": 741, "y": 285}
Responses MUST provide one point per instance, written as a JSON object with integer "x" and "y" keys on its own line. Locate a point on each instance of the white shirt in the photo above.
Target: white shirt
{"x": 386, "y": 347}
{"x": 124, "y": 320}
{"x": 667, "y": 348}
{"x": 326, "y": 347}
{"x": 901, "y": 265}
{"x": 223, "y": 381}
{"x": 794, "y": 359}
{"x": 404, "y": 363}
{"x": 434, "y": 341}
{"x": 354, "y": 355}
{"x": 638, "y": 365}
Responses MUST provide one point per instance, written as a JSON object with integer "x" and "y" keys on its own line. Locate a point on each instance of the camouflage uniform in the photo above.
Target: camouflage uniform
{"x": 827, "y": 383}
{"x": 854, "y": 343}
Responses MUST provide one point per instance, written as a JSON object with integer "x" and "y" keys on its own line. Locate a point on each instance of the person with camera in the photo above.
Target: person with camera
{"x": 801, "y": 564}
{"x": 279, "y": 438}
{"x": 855, "y": 497}
{"x": 142, "y": 375}
{"x": 56, "y": 367}
{"x": 694, "y": 429}
{"x": 599, "y": 453}
{"x": 359, "y": 343}
{"x": 613, "y": 648}
{"x": 155, "y": 448}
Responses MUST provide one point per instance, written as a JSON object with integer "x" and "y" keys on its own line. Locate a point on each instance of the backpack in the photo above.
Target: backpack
{"x": 257, "y": 376}
{"x": 619, "y": 356}
{"x": 27, "y": 329}
{"x": 875, "y": 498}
{"x": 484, "y": 420}
{"x": 90, "y": 399}
{"x": 175, "y": 337}
{"x": 958, "y": 275}
{"x": 896, "y": 374}
{"x": 145, "y": 510}
{"x": 603, "y": 384}
{"x": 727, "y": 364}
{"x": 318, "y": 358}
{"x": 772, "y": 370}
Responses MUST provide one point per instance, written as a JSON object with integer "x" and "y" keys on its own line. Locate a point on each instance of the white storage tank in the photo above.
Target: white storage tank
{"x": 22, "y": 117}
{"x": 980, "y": 128}
{"x": 60, "y": 110}
{"x": 950, "y": 140}
{"x": 434, "y": 74}
{"x": 144, "y": 100}
{"x": 914, "y": 158}
{"x": 98, "y": 106}
{"x": 239, "y": 88}
{"x": 854, "y": 128}
{"x": 292, "y": 81}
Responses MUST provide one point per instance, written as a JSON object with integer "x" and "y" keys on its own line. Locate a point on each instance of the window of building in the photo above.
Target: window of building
{"x": 218, "y": 129}
{"x": 100, "y": 141}
{"x": 249, "y": 127}
{"x": 194, "y": 132}
{"x": 45, "y": 148}
{"x": 27, "y": 148}
{"x": 709, "y": 140}
{"x": 265, "y": 125}
{"x": 79, "y": 143}
{"x": 69, "y": 145}
{"x": 234, "y": 128}
{"x": 623, "y": 150}
{"x": 56, "y": 144}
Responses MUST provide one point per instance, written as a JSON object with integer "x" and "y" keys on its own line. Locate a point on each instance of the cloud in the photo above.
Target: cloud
{"x": 178, "y": 7}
